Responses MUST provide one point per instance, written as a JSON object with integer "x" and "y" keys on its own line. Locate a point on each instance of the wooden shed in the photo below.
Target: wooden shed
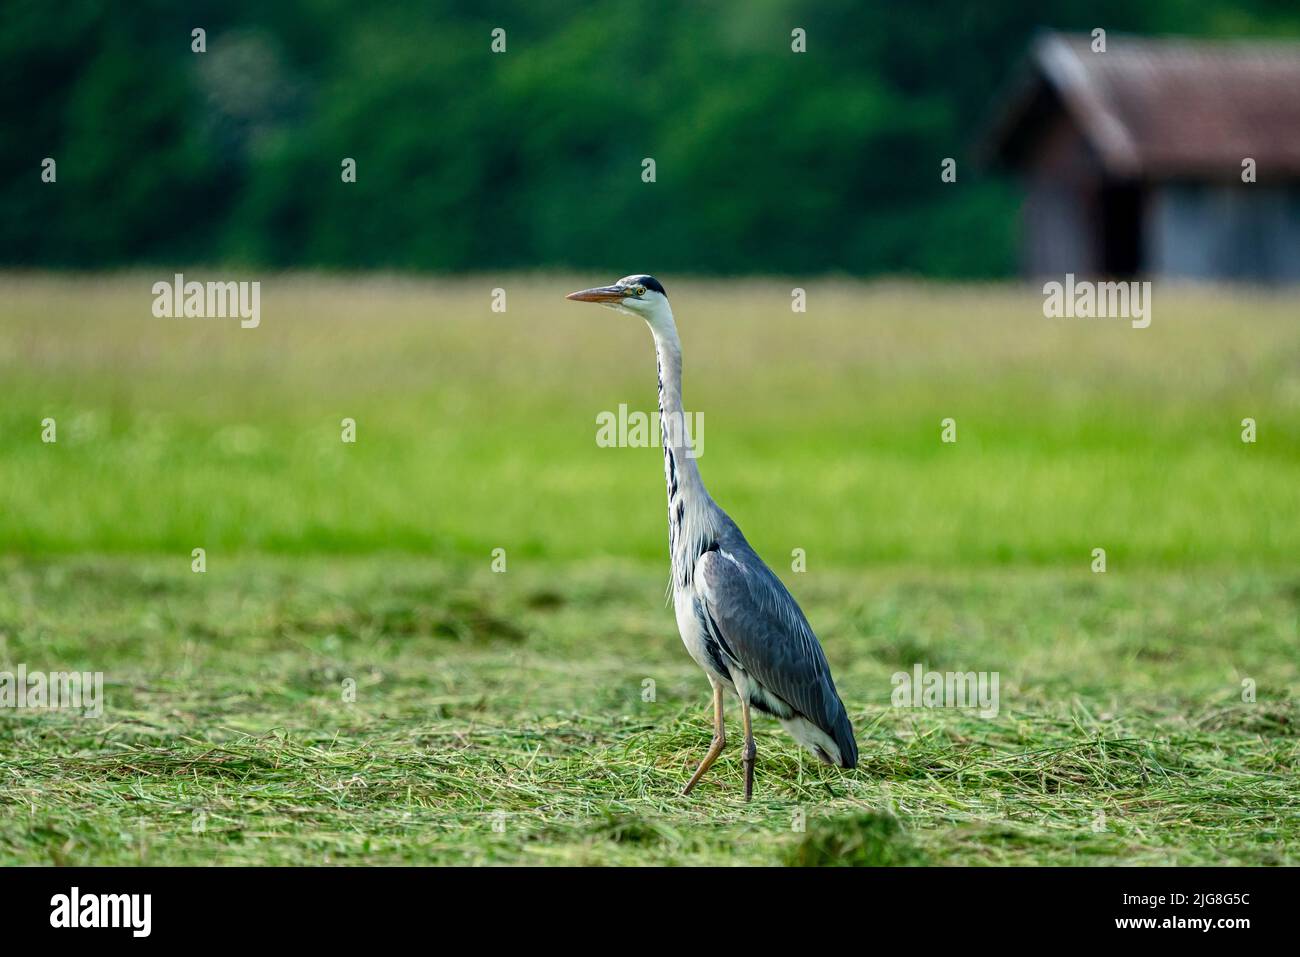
{"x": 1133, "y": 158}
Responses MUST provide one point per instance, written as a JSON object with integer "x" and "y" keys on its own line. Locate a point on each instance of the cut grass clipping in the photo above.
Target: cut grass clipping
{"x": 230, "y": 735}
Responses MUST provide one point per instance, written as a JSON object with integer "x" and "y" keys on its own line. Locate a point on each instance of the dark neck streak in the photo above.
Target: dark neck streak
{"x": 687, "y": 498}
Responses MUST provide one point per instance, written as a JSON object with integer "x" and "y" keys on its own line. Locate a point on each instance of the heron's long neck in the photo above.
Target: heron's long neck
{"x": 690, "y": 519}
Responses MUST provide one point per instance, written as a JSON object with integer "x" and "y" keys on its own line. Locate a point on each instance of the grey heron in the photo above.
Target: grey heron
{"x": 736, "y": 618}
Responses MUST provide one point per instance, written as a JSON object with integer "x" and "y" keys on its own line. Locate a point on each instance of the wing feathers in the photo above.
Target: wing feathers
{"x": 763, "y": 629}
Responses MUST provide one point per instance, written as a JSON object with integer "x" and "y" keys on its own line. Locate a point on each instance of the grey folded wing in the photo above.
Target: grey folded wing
{"x": 762, "y": 628}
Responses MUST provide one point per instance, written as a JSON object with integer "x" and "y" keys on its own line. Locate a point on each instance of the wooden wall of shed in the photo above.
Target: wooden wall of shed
{"x": 1218, "y": 231}
{"x": 1060, "y": 220}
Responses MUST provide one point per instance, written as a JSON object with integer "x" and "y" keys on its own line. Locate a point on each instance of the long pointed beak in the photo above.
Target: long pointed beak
{"x": 599, "y": 294}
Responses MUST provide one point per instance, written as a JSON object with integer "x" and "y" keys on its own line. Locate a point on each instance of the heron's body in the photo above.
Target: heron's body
{"x": 736, "y": 618}
{"x": 827, "y": 733}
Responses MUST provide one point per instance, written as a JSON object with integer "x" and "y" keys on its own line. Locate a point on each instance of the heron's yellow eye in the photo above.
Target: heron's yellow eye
{"x": 640, "y": 290}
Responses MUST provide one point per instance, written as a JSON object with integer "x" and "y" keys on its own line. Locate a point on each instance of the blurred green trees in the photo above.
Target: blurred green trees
{"x": 766, "y": 160}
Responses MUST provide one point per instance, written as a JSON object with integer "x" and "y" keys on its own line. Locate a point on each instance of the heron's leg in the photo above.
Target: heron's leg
{"x": 719, "y": 739}
{"x": 750, "y": 750}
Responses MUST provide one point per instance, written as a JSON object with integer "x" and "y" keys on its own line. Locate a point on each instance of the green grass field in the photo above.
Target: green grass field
{"x": 502, "y": 718}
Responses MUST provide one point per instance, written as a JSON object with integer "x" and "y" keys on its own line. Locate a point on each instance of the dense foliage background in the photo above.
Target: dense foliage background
{"x": 767, "y": 161}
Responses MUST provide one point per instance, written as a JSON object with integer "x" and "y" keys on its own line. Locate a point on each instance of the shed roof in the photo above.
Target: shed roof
{"x": 1161, "y": 107}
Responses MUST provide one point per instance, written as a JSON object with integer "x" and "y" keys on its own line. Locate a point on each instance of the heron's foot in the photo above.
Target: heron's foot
{"x": 749, "y": 755}
{"x": 715, "y": 748}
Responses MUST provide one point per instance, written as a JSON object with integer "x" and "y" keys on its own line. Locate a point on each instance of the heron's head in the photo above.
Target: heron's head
{"x": 638, "y": 295}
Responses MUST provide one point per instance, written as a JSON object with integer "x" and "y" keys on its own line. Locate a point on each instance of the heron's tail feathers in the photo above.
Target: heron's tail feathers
{"x": 844, "y": 740}
{"x": 834, "y": 745}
